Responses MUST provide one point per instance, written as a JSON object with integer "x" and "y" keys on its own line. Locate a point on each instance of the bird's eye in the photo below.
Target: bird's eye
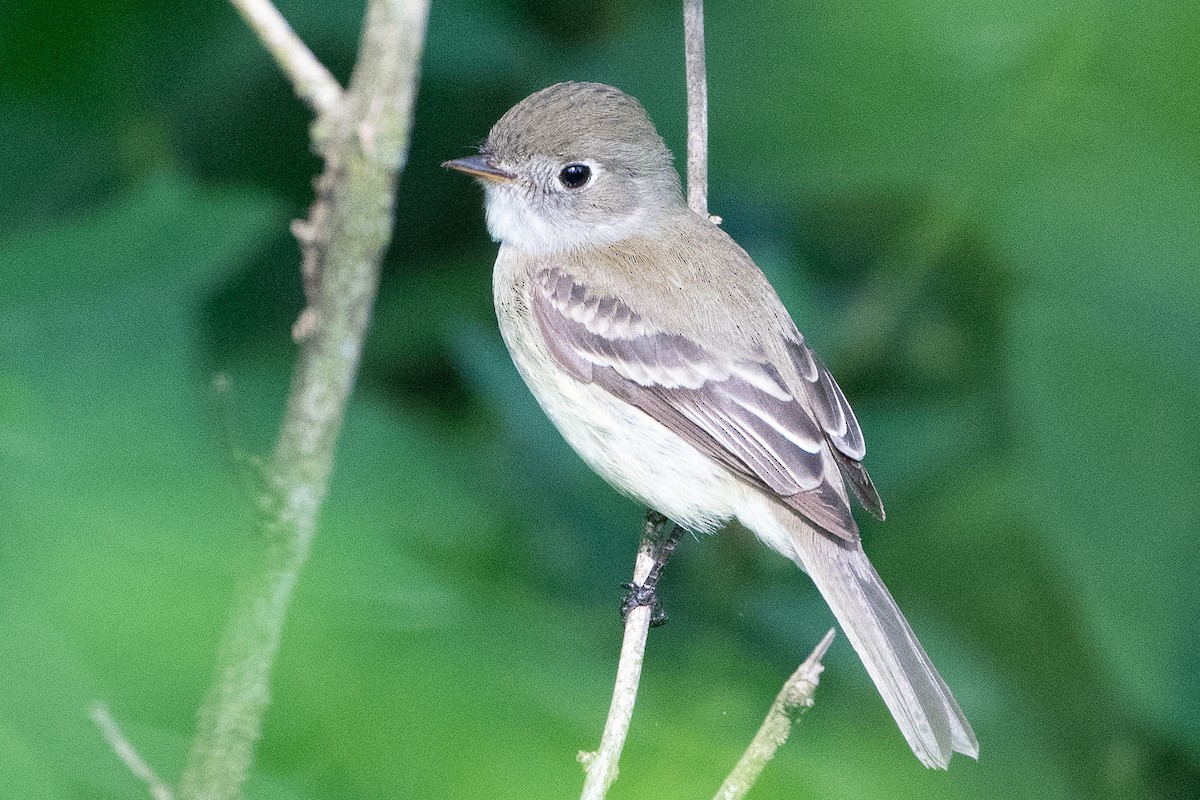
{"x": 573, "y": 176}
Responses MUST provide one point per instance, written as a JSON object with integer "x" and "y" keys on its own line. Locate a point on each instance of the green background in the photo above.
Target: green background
{"x": 984, "y": 215}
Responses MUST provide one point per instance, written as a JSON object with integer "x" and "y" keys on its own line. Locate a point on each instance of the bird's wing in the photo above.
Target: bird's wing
{"x": 740, "y": 412}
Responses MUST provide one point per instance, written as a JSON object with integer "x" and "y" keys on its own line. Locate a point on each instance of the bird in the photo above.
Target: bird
{"x": 667, "y": 361}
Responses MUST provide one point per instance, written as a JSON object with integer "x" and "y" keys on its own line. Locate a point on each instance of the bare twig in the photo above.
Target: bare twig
{"x": 364, "y": 141}
{"x": 314, "y": 84}
{"x": 794, "y": 699}
{"x": 697, "y": 100}
{"x": 125, "y": 751}
{"x": 796, "y": 695}
{"x": 601, "y": 765}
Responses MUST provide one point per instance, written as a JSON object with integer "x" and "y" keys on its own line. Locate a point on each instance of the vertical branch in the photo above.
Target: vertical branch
{"x": 697, "y": 101}
{"x": 601, "y": 765}
{"x": 364, "y": 141}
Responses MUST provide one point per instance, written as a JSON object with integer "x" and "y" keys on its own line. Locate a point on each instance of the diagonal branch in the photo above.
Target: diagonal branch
{"x": 364, "y": 141}
{"x": 794, "y": 699}
{"x": 125, "y": 751}
{"x": 314, "y": 84}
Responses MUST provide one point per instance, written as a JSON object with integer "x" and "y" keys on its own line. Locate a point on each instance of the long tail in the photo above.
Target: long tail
{"x": 915, "y": 693}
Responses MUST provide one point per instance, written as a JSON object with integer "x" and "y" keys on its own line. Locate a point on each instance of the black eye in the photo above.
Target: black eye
{"x": 575, "y": 175}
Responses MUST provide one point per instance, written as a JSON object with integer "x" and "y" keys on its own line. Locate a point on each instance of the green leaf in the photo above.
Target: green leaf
{"x": 167, "y": 232}
{"x": 116, "y": 481}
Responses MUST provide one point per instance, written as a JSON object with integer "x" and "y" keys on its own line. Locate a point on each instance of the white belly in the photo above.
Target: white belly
{"x": 635, "y": 454}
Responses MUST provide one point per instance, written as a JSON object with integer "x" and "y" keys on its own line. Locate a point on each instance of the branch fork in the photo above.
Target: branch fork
{"x": 362, "y": 132}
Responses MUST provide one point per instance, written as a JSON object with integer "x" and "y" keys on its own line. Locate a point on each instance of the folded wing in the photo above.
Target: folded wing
{"x": 741, "y": 412}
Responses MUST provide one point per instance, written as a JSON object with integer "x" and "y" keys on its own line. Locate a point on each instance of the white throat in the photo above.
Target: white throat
{"x": 513, "y": 220}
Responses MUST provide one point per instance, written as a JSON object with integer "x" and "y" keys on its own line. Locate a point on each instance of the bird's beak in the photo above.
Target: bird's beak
{"x": 480, "y": 166}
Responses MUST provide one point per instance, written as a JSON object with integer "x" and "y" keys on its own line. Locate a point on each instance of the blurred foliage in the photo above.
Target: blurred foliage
{"x": 983, "y": 214}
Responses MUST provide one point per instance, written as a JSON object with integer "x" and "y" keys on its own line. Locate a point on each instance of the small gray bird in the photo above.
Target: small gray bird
{"x": 664, "y": 357}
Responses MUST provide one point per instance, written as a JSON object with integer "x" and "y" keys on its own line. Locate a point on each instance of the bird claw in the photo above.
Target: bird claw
{"x": 638, "y": 595}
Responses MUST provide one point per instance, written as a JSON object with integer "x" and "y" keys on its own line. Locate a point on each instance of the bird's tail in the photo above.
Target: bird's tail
{"x": 920, "y": 701}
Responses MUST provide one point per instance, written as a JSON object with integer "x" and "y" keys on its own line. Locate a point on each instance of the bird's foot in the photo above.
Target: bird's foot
{"x": 645, "y": 594}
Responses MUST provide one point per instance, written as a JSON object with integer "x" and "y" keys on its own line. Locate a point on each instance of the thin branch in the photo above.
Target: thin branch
{"x": 314, "y": 84}
{"x": 796, "y": 695}
{"x": 794, "y": 699}
{"x": 125, "y": 751}
{"x": 364, "y": 141}
{"x": 601, "y": 765}
{"x": 697, "y": 100}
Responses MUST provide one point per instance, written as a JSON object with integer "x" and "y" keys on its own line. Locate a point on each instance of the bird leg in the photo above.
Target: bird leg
{"x": 660, "y": 537}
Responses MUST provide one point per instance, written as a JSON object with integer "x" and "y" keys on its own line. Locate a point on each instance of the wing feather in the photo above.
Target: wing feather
{"x": 740, "y": 412}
